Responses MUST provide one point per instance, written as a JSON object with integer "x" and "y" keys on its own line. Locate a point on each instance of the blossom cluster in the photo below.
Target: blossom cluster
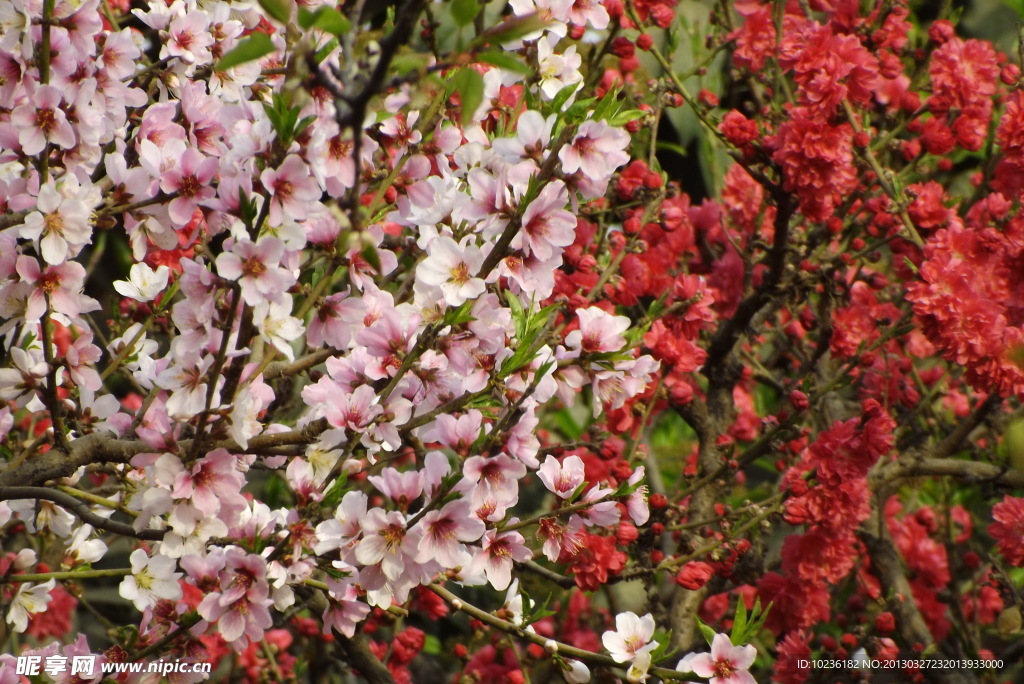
{"x": 325, "y": 327}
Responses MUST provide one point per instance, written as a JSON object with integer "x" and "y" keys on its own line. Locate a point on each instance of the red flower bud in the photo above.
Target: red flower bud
{"x": 707, "y": 98}
{"x": 586, "y": 263}
{"x": 623, "y": 47}
{"x": 799, "y": 400}
{"x": 885, "y": 622}
{"x": 1010, "y": 74}
{"x": 941, "y": 31}
{"x": 626, "y": 534}
{"x": 694, "y": 575}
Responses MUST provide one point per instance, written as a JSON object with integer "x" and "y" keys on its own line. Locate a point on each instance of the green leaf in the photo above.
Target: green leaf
{"x": 470, "y": 86}
{"x": 624, "y": 117}
{"x": 334, "y": 495}
{"x": 409, "y": 62}
{"x": 304, "y": 124}
{"x": 465, "y": 11}
{"x": 334, "y": 573}
{"x": 579, "y": 110}
{"x": 370, "y": 255}
{"x": 327, "y": 49}
{"x": 511, "y": 29}
{"x": 431, "y": 645}
{"x": 1016, "y": 5}
{"x": 562, "y": 96}
{"x": 278, "y": 9}
{"x": 253, "y": 47}
{"x": 326, "y": 18}
{"x": 459, "y": 315}
{"x": 758, "y": 618}
{"x": 567, "y": 425}
{"x": 508, "y": 61}
{"x": 604, "y": 107}
{"x": 739, "y": 625}
{"x": 709, "y": 634}
{"x": 518, "y": 316}
{"x": 578, "y": 492}
{"x": 672, "y": 147}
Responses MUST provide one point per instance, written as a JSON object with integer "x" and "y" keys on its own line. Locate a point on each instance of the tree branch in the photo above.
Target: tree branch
{"x": 80, "y": 509}
{"x": 563, "y": 649}
{"x": 887, "y": 564}
{"x": 102, "y": 447}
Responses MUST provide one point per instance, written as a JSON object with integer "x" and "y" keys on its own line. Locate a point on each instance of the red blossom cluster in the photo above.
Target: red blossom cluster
{"x": 828, "y": 493}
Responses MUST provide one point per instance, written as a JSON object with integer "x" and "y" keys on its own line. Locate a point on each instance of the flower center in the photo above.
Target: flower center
{"x": 253, "y": 267}
{"x": 143, "y": 579}
{"x": 591, "y": 341}
{"x": 54, "y": 224}
{"x": 443, "y": 530}
{"x": 49, "y": 282}
{"x": 393, "y": 536}
{"x": 340, "y": 149}
{"x": 724, "y": 668}
{"x": 283, "y": 189}
{"x": 45, "y": 119}
{"x": 189, "y": 186}
{"x": 460, "y": 274}
{"x": 634, "y": 643}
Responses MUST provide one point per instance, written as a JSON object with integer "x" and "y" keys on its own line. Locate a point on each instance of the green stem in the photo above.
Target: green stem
{"x": 69, "y": 575}
{"x": 44, "y": 45}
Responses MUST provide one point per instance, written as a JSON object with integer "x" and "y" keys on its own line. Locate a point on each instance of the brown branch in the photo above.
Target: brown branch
{"x": 12, "y": 219}
{"x": 977, "y": 417}
{"x": 357, "y": 652}
{"x": 562, "y": 649}
{"x": 973, "y": 471}
{"x": 102, "y": 447}
{"x": 887, "y": 564}
{"x": 80, "y": 509}
{"x": 547, "y": 170}
{"x": 359, "y": 656}
{"x": 729, "y": 332}
{"x": 279, "y": 369}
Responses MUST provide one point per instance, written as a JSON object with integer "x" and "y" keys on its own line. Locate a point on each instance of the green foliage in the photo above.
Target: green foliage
{"x": 706, "y": 631}
{"x": 337, "y": 490}
{"x": 325, "y": 18}
{"x": 529, "y": 325}
{"x": 469, "y": 84}
{"x": 465, "y": 11}
{"x": 745, "y": 627}
{"x": 504, "y": 60}
{"x": 567, "y": 424}
{"x": 509, "y": 30}
{"x": 278, "y": 9}
{"x": 252, "y": 47}
{"x": 284, "y": 117}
